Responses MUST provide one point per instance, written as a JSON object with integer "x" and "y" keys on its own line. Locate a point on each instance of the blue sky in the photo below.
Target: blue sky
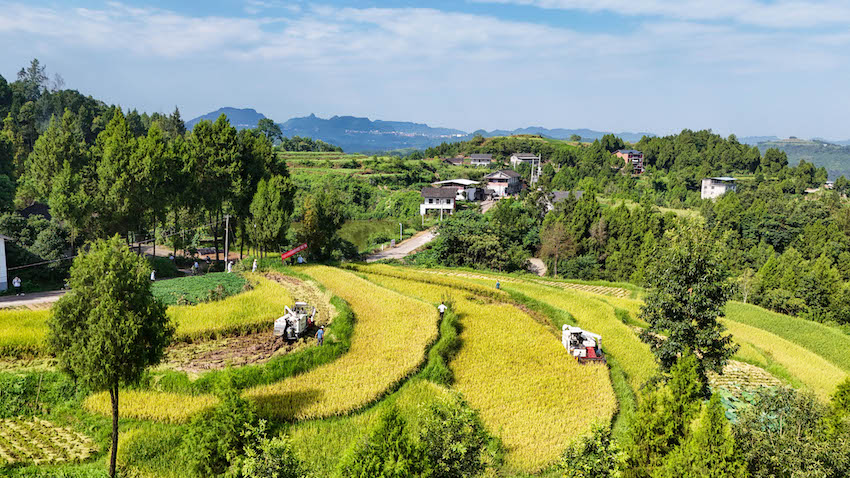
{"x": 749, "y": 67}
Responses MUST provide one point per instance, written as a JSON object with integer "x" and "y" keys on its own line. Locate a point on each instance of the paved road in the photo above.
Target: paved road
{"x": 404, "y": 248}
{"x": 35, "y": 300}
{"x": 538, "y": 266}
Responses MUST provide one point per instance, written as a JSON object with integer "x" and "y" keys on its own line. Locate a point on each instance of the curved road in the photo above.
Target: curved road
{"x": 404, "y": 248}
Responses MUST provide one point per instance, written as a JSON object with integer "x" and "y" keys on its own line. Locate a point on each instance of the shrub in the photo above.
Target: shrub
{"x": 596, "y": 456}
{"x": 388, "y": 451}
{"x": 164, "y": 267}
{"x": 269, "y": 458}
{"x": 452, "y": 439}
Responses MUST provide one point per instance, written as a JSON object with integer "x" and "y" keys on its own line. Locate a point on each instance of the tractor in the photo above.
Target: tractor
{"x": 294, "y": 323}
{"x": 585, "y": 346}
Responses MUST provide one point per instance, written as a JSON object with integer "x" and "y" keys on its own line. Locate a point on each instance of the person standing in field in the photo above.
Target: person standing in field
{"x": 16, "y": 283}
{"x": 153, "y": 275}
{"x": 229, "y": 267}
{"x": 442, "y": 308}
{"x": 498, "y": 285}
{"x": 320, "y": 335}
{"x": 254, "y": 267}
{"x": 195, "y": 268}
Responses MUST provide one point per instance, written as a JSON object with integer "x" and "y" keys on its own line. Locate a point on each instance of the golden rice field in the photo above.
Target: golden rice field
{"x": 391, "y": 334}
{"x": 515, "y": 372}
{"x": 151, "y": 405}
{"x": 249, "y": 311}
{"x": 22, "y": 332}
{"x": 815, "y": 372}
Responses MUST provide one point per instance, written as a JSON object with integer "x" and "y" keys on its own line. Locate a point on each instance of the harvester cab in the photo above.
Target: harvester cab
{"x": 294, "y": 323}
{"x": 585, "y": 346}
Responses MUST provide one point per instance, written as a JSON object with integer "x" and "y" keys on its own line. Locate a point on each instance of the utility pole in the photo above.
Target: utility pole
{"x": 226, "y": 239}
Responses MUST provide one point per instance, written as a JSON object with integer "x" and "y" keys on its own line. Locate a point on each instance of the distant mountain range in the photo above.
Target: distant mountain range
{"x": 355, "y": 134}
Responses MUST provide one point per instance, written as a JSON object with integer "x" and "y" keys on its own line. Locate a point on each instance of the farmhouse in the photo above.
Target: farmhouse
{"x": 504, "y": 183}
{"x": 438, "y": 199}
{"x": 480, "y": 159}
{"x": 453, "y": 161}
{"x": 524, "y": 158}
{"x": 467, "y": 189}
{"x": 556, "y": 197}
{"x": 631, "y": 157}
{"x": 716, "y": 187}
{"x": 4, "y": 278}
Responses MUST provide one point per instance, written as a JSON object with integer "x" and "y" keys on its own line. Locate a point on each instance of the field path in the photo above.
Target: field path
{"x": 34, "y": 301}
{"x": 405, "y": 248}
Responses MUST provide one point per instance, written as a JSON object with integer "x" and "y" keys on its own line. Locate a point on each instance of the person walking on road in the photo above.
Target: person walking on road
{"x": 442, "y": 308}
{"x": 320, "y": 335}
{"x": 16, "y": 283}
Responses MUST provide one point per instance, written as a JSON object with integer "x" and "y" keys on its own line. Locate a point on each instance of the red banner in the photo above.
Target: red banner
{"x": 286, "y": 255}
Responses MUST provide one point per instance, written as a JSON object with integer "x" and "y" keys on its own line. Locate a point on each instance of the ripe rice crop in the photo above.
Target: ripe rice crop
{"x": 40, "y": 442}
{"x": 510, "y": 368}
{"x": 151, "y": 405}
{"x": 828, "y": 342}
{"x": 815, "y": 372}
{"x": 391, "y": 333}
{"x": 248, "y": 312}
{"x": 22, "y": 332}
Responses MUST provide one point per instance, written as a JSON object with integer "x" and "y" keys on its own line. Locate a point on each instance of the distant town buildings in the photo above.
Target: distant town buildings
{"x": 715, "y": 187}
{"x": 504, "y": 183}
{"x": 631, "y": 157}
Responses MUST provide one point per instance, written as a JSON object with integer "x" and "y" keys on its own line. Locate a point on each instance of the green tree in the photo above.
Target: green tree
{"x": 109, "y": 328}
{"x": 387, "y": 453}
{"x": 323, "y": 216}
{"x": 452, "y": 439}
{"x": 556, "y": 244}
{"x": 709, "y": 451}
{"x": 269, "y": 457}
{"x": 594, "y": 456}
{"x": 575, "y": 137}
{"x": 271, "y": 210}
{"x": 773, "y": 161}
{"x": 688, "y": 290}
{"x": 270, "y": 129}
{"x": 34, "y": 79}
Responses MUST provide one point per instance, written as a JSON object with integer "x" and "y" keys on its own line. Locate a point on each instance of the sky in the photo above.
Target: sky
{"x": 748, "y": 67}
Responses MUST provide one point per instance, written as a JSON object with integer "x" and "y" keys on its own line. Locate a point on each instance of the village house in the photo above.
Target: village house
{"x": 524, "y": 158}
{"x": 467, "y": 189}
{"x": 480, "y": 159}
{"x": 631, "y": 157}
{"x": 4, "y": 277}
{"x": 555, "y": 197}
{"x": 438, "y": 199}
{"x": 453, "y": 161}
{"x": 715, "y": 187}
{"x": 504, "y": 182}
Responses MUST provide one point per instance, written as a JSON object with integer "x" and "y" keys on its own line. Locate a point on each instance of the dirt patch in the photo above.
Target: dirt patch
{"x": 739, "y": 377}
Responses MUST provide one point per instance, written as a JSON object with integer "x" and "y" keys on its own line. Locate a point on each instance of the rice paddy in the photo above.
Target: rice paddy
{"x": 23, "y": 332}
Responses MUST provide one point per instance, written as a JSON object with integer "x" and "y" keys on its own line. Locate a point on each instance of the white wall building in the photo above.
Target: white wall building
{"x": 715, "y": 187}
{"x": 440, "y": 200}
{"x": 524, "y": 158}
{"x": 4, "y": 275}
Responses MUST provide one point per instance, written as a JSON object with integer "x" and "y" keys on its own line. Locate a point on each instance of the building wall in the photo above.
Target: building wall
{"x": 713, "y": 189}
{"x": 4, "y": 275}
{"x": 446, "y": 205}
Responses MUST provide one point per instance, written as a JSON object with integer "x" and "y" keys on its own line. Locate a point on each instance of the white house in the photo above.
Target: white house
{"x": 716, "y": 187}
{"x": 524, "y": 158}
{"x": 4, "y": 276}
{"x": 461, "y": 185}
{"x": 504, "y": 183}
{"x": 480, "y": 159}
{"x": 438, "y": 199}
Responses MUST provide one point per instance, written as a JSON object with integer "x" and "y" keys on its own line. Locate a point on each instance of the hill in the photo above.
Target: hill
{"x": 239, "y": 118}
{"x": 835, "y": 158}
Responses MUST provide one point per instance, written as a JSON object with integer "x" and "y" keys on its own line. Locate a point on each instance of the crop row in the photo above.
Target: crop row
{"x": 39, "y": 441}
{"x": 152, "y": 405}
{"x": 516, "y": 374}
{"x": 390, "y": 337}
{"x": 22, "y": 332}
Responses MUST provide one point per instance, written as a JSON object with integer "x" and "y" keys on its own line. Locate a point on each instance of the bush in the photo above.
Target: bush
{"x": 164, "y": 267}
{"x": 387, "y": 452}
{"x": 269, "y": 458}
{"x": 452, "y": 440}
{"x": 593, "y": 456}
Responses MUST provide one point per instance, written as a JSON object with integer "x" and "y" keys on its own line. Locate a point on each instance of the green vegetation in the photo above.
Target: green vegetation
{"x": 196, "y": 289}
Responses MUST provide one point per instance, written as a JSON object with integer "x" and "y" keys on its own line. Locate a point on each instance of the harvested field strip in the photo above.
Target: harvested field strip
{"x": 22, "y": 332}
{"x": 391, "y": 334}
{"x": 815, "y": 372}
{"x": 248, "y": 312}
{"x": 739, "y": 377}
{"x": 152, "y": 405}
{"x": 828, "y": 342}
{"x": 518, "y": 376}
{"x": 40, "y": 442}
{"x": 590, "y": 288}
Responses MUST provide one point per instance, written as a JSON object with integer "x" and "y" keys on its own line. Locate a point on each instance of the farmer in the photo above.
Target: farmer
{"x": 442, "y": 308}
{"x": 498, "y": 286}
{"x": 229, "y": 267}
{"x": 195, "y": 268}
{"x": 16, "y": 282}
{"x": 300, "y": 259}
{"x": 254, "y": 267}
{"x": 153, "y": 275}
{"x": 320, "y": 335}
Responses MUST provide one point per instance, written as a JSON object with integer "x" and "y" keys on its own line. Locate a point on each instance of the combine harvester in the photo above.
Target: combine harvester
{"x": 585, "y": 346}
{"x": 295, "y": 322}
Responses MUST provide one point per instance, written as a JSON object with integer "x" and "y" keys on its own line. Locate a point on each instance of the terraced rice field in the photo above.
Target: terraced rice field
{"x": 391, "y": 334}
{"x": 22, "y": 332}
{"x": 40, "y": 442}
{"x": 589, "y": 288}
{"x": 151, "y": 405}
{"x": 515, "y": 372}
{"x": 815, "y": 372}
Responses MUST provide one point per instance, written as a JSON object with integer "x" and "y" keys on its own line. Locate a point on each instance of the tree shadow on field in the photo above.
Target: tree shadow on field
{"x": 286, "y": 405}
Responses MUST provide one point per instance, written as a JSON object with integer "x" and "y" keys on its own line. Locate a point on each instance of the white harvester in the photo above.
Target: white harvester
{"x": 295, "y": 322}
{"x": 583, "y": 345}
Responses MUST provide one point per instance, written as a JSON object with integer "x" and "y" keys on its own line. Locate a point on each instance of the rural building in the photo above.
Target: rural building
{"x": 453, "y": 161}
{"x": 504, "y": 183}
{"x": 716, "y": 187}
{"x": 555, "y": 197}
{"x": 480, "y": 159}
{"x": 631, "y": 157}
{"x": 524, "y": 158}
{"x": 4, "y": 276}
{"x": 438, "y": 199}
{"x": 466, "y": 188}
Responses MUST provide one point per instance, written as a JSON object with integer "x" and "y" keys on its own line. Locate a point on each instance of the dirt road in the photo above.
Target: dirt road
{"x": 404, "y": 248}
{"x": 537, "y": 266}
{"x": 35, "y": 300}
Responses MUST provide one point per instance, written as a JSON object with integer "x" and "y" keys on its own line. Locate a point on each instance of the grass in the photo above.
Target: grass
{"x": 812, "y": 370}
{"x": 515, "y": 372}
{"x": 828, "y": 342}
{"x": 23, "y": 332}
{"x": 390, "y": 337}
{"x": 248, "y": 312}
{"x": 358, "y": 232}
{"x": 195, "y": 289}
